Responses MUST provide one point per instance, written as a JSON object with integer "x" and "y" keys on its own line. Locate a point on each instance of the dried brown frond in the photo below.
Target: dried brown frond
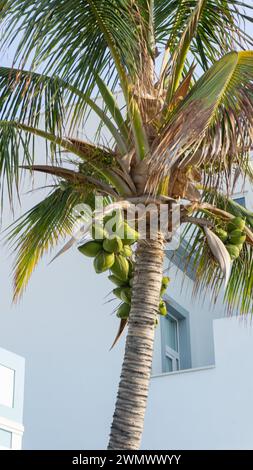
{"x": 93, "y": 152}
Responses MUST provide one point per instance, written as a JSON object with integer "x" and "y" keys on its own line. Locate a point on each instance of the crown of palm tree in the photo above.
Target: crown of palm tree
{"x": 176, "y": 133}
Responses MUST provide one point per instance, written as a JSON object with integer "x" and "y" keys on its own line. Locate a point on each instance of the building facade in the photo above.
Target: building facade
{"x": 11, "y": 400}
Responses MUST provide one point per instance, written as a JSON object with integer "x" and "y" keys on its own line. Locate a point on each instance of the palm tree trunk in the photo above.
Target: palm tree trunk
{"x": 128, "y": 419}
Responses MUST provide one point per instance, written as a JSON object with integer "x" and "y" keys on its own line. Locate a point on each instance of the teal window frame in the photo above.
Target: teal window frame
{"x": 183, "y": 355}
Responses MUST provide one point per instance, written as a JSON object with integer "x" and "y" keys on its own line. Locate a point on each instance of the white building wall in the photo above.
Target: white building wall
{"x": 64, "y": 329}
{"x": 209, "y": 408}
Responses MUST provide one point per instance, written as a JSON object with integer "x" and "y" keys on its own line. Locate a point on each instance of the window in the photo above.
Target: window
{"x": 240, "y": 200}
{"x": 172, "y": 361}
{"x": 6, "y": 386}
{"x": 12, "y": 368}
{"x": 175, "y": 337}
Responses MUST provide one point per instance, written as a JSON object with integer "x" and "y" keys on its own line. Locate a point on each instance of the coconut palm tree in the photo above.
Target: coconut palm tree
{"x": 184, "y": 134}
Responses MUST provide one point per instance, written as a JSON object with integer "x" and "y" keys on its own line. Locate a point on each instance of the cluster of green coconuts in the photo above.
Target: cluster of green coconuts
{"x": 115, "y": 254}
{"x": 233, "y": 236}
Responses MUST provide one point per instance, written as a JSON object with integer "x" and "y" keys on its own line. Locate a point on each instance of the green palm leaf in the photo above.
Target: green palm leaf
{"x": 213, "y": 120}
{"x": 180, "y": 53}
{"x": 27, "y": 97}
{"x": 41, "y": 229}
{"x": 73, "y": 39}
{"x": 33, "y": 99}
{"x": 238, "y": 294}
{"x": 15, "y": 135}
{"x": 218, "y": 29}
{"x": 114, "y": 110}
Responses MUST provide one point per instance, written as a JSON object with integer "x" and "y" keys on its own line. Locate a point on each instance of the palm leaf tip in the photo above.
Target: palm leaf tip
{"x": 122, "y": 326}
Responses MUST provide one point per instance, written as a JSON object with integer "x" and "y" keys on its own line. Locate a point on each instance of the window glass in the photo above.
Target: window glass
{"x": 168, "y": 364}
{"x": 171, "y": 332}
{"x": 6, "y": 386}
{"x": 175, "y": 337}
{"x": 240, "y": 200}
{"x": 5, "y": 439}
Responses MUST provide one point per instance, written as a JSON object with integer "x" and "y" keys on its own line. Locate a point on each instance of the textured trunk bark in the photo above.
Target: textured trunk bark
{"x": 128, "y": 419}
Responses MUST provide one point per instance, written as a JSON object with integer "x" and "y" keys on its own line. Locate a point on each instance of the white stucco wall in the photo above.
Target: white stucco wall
{"x": 209, "y": 408}
{"x": 64, "y": 330}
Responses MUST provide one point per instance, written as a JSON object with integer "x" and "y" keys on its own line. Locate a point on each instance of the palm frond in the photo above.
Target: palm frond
{"x": 146, "y": 9}
{"x": 15, "y": 135}
{"x": 214, "y": 123}
{"x": 179, "y": 55}
{"x": 221, "y": 201}
{"x": 30, "y": 97}
{"x": 37, "y": 99}
{"x": 41, "y": 229}
{"x": 219, "y": 29}
{"x": 114, "y": 110}
{"x": 238, "y": 293}
{"x": 76, "y": 178}
{"x": 73, "y": 39}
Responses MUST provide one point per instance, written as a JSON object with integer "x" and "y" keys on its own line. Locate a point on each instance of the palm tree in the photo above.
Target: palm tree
{"x": 179, "y": 137}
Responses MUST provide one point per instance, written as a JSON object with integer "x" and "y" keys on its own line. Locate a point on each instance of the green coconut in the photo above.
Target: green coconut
{"x": 126, "y": 294}
{"x": 165, "y": 281}
{"x": 98, "y": 232}
{"x": 113, "y": 245}
{"x": 164, "y": 284}
{"x": 103, "y": 261}
{"x": 162, "y": 308}
{"x": 90, "y": 249}
{"x": 163, "y": 290}
{"x": 233, "y": 250}
{"x": 236, "y": 223}
{"x": 127, "y": 234}
{"x": 117, "y": 292}
{"x": 123, "y": 311}
{"x": 118, "y": 282}
{"x": 131, "y": 268}
{"x": 237, "y": 237}
{"x": 113, "y": 221}
{"x": 222, "y": 234}
{"x": 127, "y": 251}
{"x": 120, "y": 267}
{"x": 131, "y": 282}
